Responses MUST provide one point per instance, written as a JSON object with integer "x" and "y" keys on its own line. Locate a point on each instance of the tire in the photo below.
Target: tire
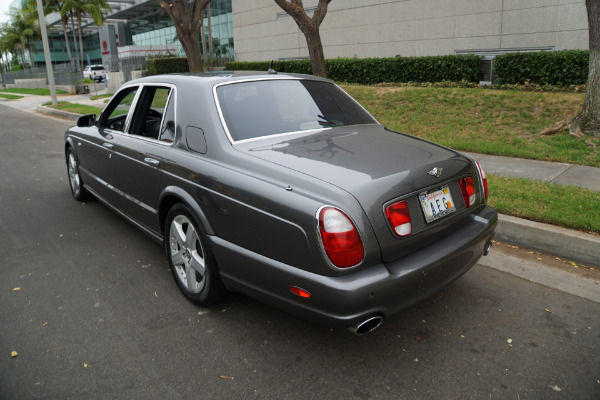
{"x": 191, "y": 259}
{"x": 75, "y": 181}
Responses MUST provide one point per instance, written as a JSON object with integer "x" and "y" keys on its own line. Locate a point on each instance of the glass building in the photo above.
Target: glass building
{"x": 144, "y": 24}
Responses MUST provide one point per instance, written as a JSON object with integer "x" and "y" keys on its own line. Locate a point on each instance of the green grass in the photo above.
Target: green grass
{"x": 75, "y": 108}
{"x": 38, "y": 92}
{"x": 561, "y": 205}
{"x": 10, "y": 96}
{"x": 101, "y": 96}
{"x": 498, "y": 122}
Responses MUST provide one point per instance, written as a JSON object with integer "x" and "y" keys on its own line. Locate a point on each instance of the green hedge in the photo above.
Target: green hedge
{"x": 376, "y": 70}
{"x": 167, "y": 65}
{"x": 561, "y": 68}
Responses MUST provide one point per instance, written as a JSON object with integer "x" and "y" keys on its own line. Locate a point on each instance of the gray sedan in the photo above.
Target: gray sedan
{"x": 284, "y": 188}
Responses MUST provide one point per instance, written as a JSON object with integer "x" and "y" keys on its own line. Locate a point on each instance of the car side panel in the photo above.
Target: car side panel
{"x": 140, "y": 178}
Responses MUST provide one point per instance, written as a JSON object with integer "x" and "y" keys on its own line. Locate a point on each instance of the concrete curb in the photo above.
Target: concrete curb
{"x": 561, "y": 242}
{"x": 58, "y": 113}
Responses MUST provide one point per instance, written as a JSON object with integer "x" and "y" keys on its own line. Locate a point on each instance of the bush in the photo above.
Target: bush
{"x": 167, "y": 65}
{"x": 377, "y": 70}
{"x": 560, "y": 68}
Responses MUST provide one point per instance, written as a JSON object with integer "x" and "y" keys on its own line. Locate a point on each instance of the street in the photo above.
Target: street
{"x": 90, "y": 307}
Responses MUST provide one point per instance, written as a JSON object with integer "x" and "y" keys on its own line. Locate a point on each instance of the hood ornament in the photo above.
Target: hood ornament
{"x": 437, "y": 172}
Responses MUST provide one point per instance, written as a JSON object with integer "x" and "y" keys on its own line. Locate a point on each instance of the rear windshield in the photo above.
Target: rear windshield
{"x": 97, "y": 67}
{"x": 269, "y": 107}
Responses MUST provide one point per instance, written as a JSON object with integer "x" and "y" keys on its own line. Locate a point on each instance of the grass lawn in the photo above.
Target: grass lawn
{"x": 101, "y": 96}
{"x": 10, "y": 96}
{"x": 566, "y": 206}
{"x": 498, "y": 122}
{"x": 75, "y": 108}
{"x": 39, "y": 92}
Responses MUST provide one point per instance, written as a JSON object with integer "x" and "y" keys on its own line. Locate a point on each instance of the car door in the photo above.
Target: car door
{"x": 142, "y": 154}
{"x": 95, "y": 150}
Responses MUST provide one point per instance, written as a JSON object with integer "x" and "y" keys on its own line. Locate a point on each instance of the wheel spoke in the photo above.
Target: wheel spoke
{"x": 177, "y": 257}
{"x": 191, "y": 277}
{"x": 197, "y": 262}
{"x": 191, "y": 237}
{"x": 178, "y": 233}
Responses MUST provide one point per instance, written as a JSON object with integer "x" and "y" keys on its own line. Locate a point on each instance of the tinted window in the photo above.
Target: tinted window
{"x": 262, "y": 108}
{"x": 97, "y": 68}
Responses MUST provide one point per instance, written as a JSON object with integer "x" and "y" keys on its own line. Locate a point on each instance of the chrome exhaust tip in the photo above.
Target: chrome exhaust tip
{"x": 487, "y": 248}
{"x": 367, "y": 325}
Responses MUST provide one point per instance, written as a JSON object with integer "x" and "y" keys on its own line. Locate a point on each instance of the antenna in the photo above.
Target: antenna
{"x": 271, "y": 70}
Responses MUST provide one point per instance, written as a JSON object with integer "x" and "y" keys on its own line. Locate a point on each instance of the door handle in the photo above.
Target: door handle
{"x": 108, "y": 145}
{"x": 151, "y": 161}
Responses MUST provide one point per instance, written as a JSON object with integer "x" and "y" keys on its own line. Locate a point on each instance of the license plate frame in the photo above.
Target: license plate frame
{"x": 436, "y": 203}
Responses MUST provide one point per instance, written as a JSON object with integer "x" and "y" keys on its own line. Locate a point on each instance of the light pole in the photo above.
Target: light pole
{"x": 47, "y": 52}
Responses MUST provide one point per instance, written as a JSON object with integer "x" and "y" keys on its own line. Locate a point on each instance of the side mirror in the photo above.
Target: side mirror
{"x": 86, "y": 120}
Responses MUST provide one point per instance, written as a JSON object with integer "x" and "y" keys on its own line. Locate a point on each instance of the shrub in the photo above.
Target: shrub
{"x": 560, "y": 68}
{"x": 167, "y": 65}
{"x": 377, "y": 70}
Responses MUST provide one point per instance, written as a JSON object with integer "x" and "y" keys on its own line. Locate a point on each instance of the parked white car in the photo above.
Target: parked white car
{"x": 95, "y": 72}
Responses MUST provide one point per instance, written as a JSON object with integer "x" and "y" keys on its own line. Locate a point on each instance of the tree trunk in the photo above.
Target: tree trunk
{"x": 77, "y": 55}
{"x": 64, "y": 25}
{"x": 80, "y": 42}
{"x": 315, "y": 52}
{"x": 210, "y": 43}
{"x": 188, "y": 42}
{"x": 587, "y": 122}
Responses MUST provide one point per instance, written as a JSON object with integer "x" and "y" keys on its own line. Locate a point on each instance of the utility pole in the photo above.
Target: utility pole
{"x": 47, "y": 58}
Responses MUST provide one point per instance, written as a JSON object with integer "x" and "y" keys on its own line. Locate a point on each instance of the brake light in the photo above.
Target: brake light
{"x": 467, "y": 186}
{"x": 483, "y": 180}
{"x": 340, "y": 238}
{"x": 399, "y": 217}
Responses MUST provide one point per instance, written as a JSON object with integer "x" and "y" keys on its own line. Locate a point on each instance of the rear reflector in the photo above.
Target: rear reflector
{"x": 340, "y": 238}
{"x": 483, "y": 180}
{"x": 399, "y": 218}
{"x": 299, "y": 292}
{"x": 467, "y": 185}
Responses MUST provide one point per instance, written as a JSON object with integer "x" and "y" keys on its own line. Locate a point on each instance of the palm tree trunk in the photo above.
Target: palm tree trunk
{"x": 80, "y": 41}
{"x": 210, "y": 43}
{"x": 77, "y": 56}
{"x": 64, "y": 25}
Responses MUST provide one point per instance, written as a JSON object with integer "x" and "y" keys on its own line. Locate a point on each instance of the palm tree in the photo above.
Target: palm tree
{"x": 85, "y": 8}
{"x": 21, "y": 31}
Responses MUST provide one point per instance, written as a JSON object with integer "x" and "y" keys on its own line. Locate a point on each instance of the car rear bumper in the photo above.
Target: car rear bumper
{"x": 382, "y": 289}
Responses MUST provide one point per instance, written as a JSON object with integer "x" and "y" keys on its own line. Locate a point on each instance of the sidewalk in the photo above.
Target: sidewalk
{"x": 564, "y": 243}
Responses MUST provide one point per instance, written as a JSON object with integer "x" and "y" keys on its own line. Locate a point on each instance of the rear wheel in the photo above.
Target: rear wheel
{"x": 192, "y": 262}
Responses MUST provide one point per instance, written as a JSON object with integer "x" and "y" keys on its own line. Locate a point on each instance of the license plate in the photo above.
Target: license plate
{"x": 436, "y": 203}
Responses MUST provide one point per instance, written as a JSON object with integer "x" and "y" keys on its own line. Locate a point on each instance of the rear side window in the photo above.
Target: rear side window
{"x": 269, "y": 107}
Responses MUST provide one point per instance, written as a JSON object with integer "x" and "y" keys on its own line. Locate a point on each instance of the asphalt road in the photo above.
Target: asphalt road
{"x": 97, "y": 315}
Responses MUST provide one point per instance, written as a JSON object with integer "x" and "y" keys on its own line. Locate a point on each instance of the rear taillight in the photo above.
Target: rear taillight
{"x": 483, "y": 180}
{"x": 340, "y": 238}
{"x": 399, "y": 218}
{"x": 467, "y": 185}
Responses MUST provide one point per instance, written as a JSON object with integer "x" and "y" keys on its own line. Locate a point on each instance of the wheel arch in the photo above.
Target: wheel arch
{"x": 172, "y": 195}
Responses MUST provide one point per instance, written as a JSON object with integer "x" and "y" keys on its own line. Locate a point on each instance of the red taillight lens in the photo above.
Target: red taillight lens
{"x": 468, "y": 190}
{"x": 340, "y": 238}
{"x": 399, "y": 217}
{"x": 484, "y": 180}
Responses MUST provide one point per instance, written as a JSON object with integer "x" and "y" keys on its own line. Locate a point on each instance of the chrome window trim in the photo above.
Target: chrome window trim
{"x": 141, "y": 87}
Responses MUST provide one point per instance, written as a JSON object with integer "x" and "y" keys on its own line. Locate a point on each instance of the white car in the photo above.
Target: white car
{"x": 95, "y": 72}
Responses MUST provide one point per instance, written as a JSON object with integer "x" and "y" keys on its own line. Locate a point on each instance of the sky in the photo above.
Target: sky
{"x": 4, "y": 6}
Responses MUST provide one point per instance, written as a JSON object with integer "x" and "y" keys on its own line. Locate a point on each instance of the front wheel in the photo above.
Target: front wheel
{"x": 192, "y": 262}
{"x": 77, "y": 189}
